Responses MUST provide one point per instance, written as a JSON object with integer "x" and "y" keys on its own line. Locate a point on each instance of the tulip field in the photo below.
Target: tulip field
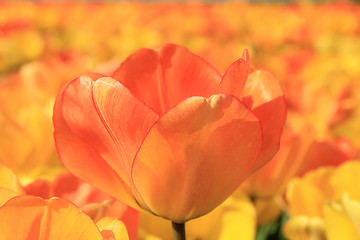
{"x": 179, "y": 120}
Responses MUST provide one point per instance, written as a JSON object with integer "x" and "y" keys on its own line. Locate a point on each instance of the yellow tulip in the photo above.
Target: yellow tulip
{"x": 342, "y": 219}
{"x": 306, "y": 197}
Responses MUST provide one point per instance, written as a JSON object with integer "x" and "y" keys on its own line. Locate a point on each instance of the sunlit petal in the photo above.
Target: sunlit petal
{"x": 196, "y": 155}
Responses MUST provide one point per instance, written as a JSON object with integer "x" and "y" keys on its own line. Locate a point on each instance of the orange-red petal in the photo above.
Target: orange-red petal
{"x": 165, "y": 78}
{"x": 196, "y": 155}
{"x": 327, "y": 153}
{"x": 96, "y": 134}
{"x": 236, "y": 75}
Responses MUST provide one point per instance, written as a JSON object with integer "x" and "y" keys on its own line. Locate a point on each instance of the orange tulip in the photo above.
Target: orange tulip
{"x": 29, "y": 217}
{"x": 92, "y": 201}
{"x": 298, "y": 154}
{"x": 167, "y": 133}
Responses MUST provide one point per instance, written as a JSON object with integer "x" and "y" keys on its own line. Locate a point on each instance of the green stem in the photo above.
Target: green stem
{"x": 178, "y": 231}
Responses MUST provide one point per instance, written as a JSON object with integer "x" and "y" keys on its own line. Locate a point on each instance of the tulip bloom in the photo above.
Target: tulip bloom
{"x": 53, "y": 219}
{"x": 167, "y": 133}
{"x": 95, "y": 203}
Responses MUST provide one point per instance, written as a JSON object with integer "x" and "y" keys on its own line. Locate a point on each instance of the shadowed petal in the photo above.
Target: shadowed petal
{"x": 165, "y": 78}
{"x": 94, "y": 133}
{"x": 263, "y": 94}
{"x": 196, "y": 155}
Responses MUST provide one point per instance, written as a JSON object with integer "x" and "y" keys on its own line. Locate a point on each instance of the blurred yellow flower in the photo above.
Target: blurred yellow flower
{"x": 342, "y": 219}
{"x": 306, "y": 197}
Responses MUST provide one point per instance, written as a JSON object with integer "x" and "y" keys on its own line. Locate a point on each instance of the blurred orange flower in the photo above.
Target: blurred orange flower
{"x": 55, "y": 218}
{"x": 92, "y": 201}
{"x": 167, "y": 133}
{"x": 26, "y": 101}
{"x": 298, "y": 154}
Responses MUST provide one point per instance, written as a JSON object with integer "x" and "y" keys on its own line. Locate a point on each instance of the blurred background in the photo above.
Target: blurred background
{"x": 312, "y": 47}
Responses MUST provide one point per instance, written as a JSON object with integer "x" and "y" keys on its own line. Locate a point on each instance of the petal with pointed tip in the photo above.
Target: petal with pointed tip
{"x": 236, "y": 75}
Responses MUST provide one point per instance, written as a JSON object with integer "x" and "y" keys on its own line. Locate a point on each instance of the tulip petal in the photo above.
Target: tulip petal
{"x": 65, "y": 221}
{"x": 196, "y": 155}
{"x": 165, "y": 78}
{"x": 326, "y": 153}
{"x": 315, "y": 185}
{"x": 6, "y": 194}
{"x": 97, "y": 135}
{"x": 339, "y": 221}
{"x": 53, "y": 219}
{"x": 21, "y": 218}
{"x": 263, "y": 94}
{"x": 235, "y": 77}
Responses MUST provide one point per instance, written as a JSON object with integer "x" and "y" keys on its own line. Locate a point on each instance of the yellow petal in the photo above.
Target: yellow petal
{"x": 306, "y": 196}
{"x": 338, "y": 223}
{"x": 110, "y": 227}
{"x": 65, "y": 221}
{"x": 344, "y": 178}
